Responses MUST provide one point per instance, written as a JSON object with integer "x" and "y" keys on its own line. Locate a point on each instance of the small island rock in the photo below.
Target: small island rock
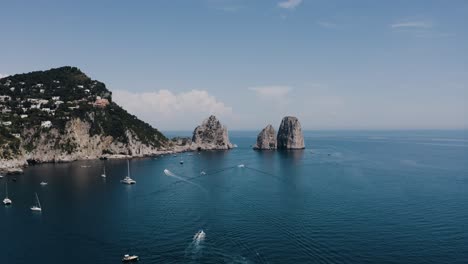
{"x": 211, "y": 135}
{"x": 266, "y": 139}
{"x": 290, "y": 134}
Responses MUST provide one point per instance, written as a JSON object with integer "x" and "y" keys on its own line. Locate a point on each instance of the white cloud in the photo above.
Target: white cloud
{"x": 167, "y": 110}
{"x": 412, "y": 24}
{"x": 289, "y": 4}
{"x": 274, "y": 91}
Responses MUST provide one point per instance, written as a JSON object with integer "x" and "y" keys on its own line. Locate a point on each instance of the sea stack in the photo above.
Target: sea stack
{"x": 211, "y": 135}
{"x": 266, "y": 139}
{"x": 290, "y": 134}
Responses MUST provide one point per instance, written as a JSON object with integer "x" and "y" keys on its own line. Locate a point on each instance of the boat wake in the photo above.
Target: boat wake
{"x": 194, "y": 249}
{"x": 171, "y": 174}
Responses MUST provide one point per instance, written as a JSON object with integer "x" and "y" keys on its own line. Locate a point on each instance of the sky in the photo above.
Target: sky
{"x": 333, "y": 64}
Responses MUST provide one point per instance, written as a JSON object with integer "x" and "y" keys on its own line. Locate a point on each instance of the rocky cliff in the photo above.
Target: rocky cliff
{"x": 62, "y": 115}
{"x": 266, "y": 139}
{"x": 290, "y": 134}
{"x": 211, "y": 135}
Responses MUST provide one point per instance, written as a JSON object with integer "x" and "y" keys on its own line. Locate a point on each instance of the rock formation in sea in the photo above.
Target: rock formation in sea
{"x": 266, "y": 139}
{"x": 211, "y": 135}
{"x": 290, "y": 134}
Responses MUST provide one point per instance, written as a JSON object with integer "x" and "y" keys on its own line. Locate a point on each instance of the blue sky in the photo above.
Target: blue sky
{"x": 333, "y": 64}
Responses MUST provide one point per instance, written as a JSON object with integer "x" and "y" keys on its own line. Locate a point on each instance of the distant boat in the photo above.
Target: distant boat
{"x": 181, "y": 162}
{"x": 7, "y": 200}
{"x": 202, "y": 173}
{"x": 43, "y": 183}
{"x": 104, "y": 172}
{"x": 199, "y": 236}
{"x": 1, "y": 176}
{"x": 174, "y": 155}
{"x": 241, "y": 166}
{"x": 128, "y": 258}
{"x": 37, "y": 207}
{"x": 127, "y": 179}
{"x": 14, "y": 179}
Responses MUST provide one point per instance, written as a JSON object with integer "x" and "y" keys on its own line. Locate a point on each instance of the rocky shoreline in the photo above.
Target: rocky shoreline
{"x": 210, "y": 135}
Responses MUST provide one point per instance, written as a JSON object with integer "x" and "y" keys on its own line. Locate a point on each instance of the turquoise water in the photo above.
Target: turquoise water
{"x": 350, "y": 197}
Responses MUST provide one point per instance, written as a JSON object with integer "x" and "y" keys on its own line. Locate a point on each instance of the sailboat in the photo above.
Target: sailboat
{"x": 37, "y": 207}
{"x": 104, "y": 173}
{"x": 7, "y": 200}
{"x": 127, "y": 179}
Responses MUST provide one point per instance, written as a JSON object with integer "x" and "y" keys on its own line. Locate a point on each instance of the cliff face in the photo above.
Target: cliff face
{"x": 266, "y": 139}
{"x": 290, "y": 134}
{"x": 211, "y": 135}
{"x": 77, "y": 143}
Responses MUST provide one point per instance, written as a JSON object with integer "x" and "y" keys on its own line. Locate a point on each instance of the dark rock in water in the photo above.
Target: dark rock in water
{"x": 290, "y": 134}
{"x": 211, "y": 135}
{"x": 266, "y": 139}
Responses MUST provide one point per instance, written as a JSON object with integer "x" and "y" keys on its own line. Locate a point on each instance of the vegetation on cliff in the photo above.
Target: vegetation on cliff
{"x": 32, "y": 104}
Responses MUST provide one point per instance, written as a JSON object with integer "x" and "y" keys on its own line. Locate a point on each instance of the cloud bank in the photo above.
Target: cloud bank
{"x": 168, "y": 110}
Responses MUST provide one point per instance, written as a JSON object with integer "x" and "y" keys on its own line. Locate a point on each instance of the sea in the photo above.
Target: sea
{"x": 349, "y": 197}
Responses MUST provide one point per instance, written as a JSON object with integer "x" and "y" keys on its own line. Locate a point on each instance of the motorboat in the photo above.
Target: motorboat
{"x": 128, "y": 258}
{"x": 43, "y": 183}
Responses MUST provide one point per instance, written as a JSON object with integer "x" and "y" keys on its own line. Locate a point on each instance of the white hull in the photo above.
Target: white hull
{"x": 36, "y": 209}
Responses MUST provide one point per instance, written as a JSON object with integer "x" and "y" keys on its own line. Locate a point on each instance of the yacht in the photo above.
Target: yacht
{"x": 127, "y": 179}
{"x": 7, "y": 200}
{"x": 104, "y": 173}
{"x": 37, "y": 207}
{"x": 128, "y": 258}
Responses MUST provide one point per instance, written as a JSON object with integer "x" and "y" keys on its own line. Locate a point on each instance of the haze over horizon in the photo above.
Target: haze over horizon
{"x": 333, "y": 64}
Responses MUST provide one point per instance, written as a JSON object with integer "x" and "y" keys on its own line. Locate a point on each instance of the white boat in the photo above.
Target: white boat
{"x": 128, "y": 258}
{"x": 1, "y": 176}
{"x": 127, "y": 179}
{"x": 181, "y": 162}
{"x": 199, "y": 236}
{"x": 241, "y": 166}
{"x": 104, "y": 172}
{"x": 7, "y": 200}
{"x": 202, "y": 173}
{"x": 43, "y": 183}
{"x": 37, "y": 207}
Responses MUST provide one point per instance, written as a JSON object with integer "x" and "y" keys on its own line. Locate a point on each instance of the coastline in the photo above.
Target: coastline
{"x": 16, "y": 166}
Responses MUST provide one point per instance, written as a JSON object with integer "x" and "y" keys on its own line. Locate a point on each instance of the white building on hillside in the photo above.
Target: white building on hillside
{"x": 46, "y": 124}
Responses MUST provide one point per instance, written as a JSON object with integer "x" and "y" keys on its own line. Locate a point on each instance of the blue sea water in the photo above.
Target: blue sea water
{"x": 350, "y": 197}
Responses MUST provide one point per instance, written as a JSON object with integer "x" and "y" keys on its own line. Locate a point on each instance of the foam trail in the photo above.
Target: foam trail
{"x": 169, "y": 173}
{"x": 195, "y": 247}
